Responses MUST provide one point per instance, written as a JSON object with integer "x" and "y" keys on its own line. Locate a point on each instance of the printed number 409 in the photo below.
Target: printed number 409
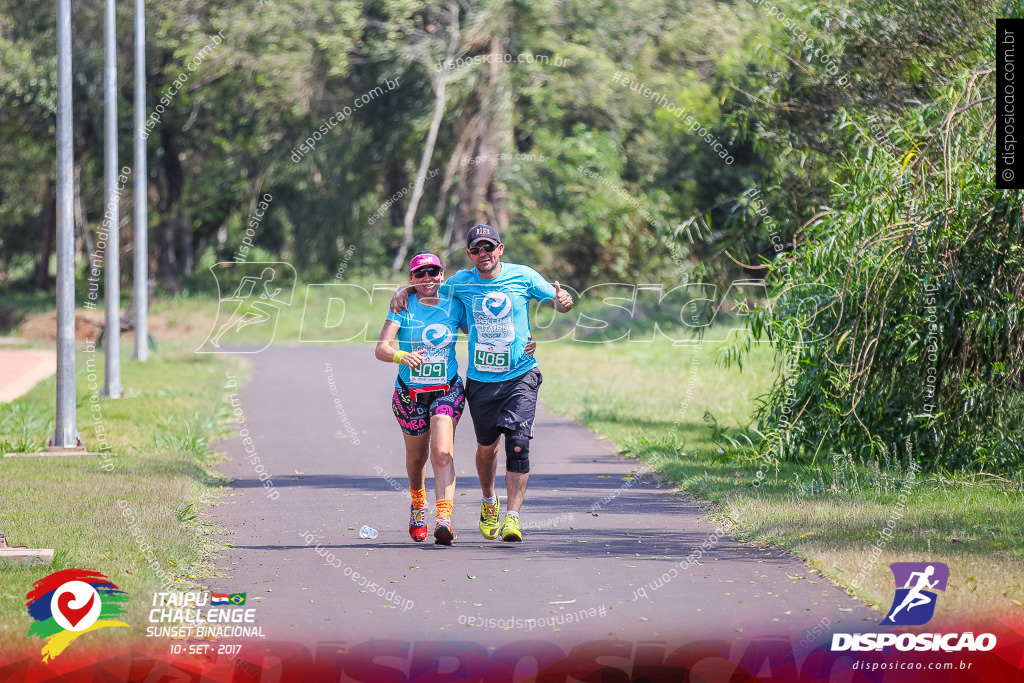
{"x": 430, "y": 370}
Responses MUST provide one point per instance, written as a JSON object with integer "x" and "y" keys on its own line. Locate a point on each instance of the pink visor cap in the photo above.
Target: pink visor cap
{"x": 427, "y": 259}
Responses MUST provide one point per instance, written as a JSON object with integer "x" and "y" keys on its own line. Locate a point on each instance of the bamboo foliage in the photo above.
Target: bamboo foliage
{"x": 915, "y": 337}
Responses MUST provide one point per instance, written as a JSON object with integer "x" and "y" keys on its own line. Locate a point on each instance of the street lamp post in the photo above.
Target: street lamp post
{"x": 141, "y": 246}
{"x": 112, "y": 214}
{"x": 65, "y": 434}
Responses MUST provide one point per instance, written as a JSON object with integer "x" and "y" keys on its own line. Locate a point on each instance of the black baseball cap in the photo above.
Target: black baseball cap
{"x": 482, "y": 232}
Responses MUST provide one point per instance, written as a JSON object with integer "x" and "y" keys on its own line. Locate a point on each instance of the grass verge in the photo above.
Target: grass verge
{"x": 158, "y": 479}
{"x": 678, "y": 408}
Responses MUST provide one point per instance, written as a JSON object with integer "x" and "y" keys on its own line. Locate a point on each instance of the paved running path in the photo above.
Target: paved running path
{"x": 22, "y": 369}
{"x": 330, "y": 461}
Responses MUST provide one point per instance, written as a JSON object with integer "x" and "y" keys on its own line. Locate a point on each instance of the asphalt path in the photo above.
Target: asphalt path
{"x": 608, "y": 551}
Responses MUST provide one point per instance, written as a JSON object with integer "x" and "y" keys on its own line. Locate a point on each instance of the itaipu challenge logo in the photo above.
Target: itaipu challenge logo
{"x": 70, "y": 603}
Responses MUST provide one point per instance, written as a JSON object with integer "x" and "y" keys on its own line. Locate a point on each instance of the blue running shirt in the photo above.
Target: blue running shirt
{"x": 497, "y": 314}
{"x": 432, "y": 330}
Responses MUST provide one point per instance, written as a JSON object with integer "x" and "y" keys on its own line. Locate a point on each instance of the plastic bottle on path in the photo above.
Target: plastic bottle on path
{"x": 367, "y": 531}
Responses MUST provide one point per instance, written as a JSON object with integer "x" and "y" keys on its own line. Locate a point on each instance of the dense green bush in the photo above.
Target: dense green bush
{"x": 906, "y": 330}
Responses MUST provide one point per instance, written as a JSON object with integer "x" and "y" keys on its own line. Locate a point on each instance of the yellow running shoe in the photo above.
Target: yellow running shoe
{"x": 510, "y": 532}
{"x": 489, "y": 518}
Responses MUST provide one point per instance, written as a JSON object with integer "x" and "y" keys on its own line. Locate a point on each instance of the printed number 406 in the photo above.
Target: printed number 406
{"x": 491, "y": 358}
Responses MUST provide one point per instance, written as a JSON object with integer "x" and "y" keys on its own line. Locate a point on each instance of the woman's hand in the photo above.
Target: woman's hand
{"x": 413, "y": 359}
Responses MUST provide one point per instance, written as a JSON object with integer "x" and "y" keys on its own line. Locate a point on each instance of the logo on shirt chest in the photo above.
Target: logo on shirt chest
{"x": 436, "y": 335}
{"x": 496, "y": 305}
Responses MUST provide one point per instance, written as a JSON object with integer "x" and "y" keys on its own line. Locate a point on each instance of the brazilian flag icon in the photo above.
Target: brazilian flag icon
{"x": 237, "y": 598}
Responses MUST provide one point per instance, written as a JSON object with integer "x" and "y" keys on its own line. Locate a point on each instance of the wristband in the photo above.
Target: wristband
{"x": 398, "y": 357}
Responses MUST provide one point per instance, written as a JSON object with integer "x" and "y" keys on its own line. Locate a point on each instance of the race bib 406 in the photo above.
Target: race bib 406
{"x": 492, "y": 358}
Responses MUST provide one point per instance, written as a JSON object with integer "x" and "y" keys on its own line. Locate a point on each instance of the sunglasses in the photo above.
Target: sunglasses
{"x": 428, "y": 271}
{"x": 489, "y": 247}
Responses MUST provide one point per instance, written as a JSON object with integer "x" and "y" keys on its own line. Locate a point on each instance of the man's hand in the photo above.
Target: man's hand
{"x": 400, "y": 301}
{"x": 531, "y": 346}
{"x": 563, "y": 300}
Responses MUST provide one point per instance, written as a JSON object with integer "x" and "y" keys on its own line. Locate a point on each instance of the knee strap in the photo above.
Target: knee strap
{"x": 517, "y": 453}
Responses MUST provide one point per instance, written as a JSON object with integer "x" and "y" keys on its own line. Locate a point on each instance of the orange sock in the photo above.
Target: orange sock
{"x": 419, "y": 498}
{"x": 444, "y": 508}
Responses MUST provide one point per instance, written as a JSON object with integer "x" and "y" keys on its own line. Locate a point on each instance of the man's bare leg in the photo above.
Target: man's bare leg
{"x": 487, "y": 466}
{"x": 515, "y": 484}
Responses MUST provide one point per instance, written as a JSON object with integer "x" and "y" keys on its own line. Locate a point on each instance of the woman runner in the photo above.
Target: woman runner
{"x": 429, "y": 394}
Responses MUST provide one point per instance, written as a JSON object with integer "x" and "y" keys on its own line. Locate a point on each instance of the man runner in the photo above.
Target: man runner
{"x": 502, "y": 380}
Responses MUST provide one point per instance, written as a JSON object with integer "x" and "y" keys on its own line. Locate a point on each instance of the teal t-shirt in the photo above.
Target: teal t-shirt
{"x": 497, "y": 315}
{"x": 432, "y": 330}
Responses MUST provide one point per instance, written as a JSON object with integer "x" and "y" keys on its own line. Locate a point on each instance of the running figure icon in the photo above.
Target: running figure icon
{"x": 250, "y": 310}
{"x": 916, "y": 597}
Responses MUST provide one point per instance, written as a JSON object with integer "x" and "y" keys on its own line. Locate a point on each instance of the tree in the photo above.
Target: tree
{"x": 436, "y": 41}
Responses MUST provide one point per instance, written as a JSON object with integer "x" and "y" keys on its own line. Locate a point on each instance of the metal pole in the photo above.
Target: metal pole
{"x": 141, "y": 220}
{"x": 65, "y": 435}
{"x": 112, "y": 214}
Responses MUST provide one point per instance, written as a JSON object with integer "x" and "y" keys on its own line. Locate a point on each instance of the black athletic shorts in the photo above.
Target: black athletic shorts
{"x": 511, "y": 404}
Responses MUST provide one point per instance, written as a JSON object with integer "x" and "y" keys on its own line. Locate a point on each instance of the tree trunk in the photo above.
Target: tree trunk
{"x": 187, "y": 246}
{"x": 167, "y": 230}
{"x": 469, "y": 179}
{"x": 86, "y": 242}
{"x": 395, "y": 180}
{"x": 440, "y": 83}
{"x": 48, "y": 220}
{"x": 495, "y": 133}
{"x": 448, "y": 200}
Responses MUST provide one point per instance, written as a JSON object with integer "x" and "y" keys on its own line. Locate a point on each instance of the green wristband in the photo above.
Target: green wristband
{"x": 398, "y": 356}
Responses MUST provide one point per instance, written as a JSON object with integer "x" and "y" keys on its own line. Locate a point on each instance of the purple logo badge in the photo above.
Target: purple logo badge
{"x": 916, "y": 582}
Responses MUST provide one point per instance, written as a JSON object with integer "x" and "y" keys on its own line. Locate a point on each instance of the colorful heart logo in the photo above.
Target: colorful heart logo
{"x": 76, "y": 605}
{"x": 70, "y": 603}
{"x": 74, "y": 615}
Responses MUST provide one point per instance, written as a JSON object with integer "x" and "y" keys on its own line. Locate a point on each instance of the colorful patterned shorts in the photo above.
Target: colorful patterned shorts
{"x": 414, "y": 416}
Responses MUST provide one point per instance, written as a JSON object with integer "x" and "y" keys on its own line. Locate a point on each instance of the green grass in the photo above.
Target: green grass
{"x": 158, "y": 434}
{"x": 829, "y": 512}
